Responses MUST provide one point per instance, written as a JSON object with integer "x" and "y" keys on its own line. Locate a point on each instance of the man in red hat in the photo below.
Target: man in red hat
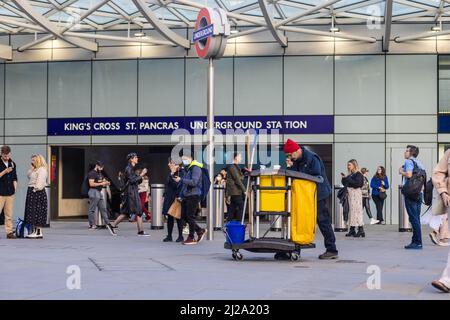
{"x": 308, "y": 162}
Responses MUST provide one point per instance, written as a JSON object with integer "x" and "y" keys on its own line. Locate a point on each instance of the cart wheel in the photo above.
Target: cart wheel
{"x": 295, "y": 256}
{"x": 239, "y": 256}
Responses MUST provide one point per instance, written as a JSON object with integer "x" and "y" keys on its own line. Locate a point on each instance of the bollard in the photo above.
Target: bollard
{"x": 338, "y": 216}
{"x": 219, "y": 195}
{"x": 157, "y": 192}
{"x": 403, "y": 219}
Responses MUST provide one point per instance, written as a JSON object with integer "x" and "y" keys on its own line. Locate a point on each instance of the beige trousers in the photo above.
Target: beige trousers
{"x": 444, "y": 232}
{"x": 6, "y": 204}
{"x": 445, "y": 278}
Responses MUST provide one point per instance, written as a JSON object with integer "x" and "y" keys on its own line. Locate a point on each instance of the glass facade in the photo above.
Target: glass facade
{"x": 380, "y": 103}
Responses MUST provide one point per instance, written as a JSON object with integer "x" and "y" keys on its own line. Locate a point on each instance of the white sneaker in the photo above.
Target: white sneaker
{"x": 186, "y": 229}
{"x": 143, "y": 234}
{"x": 32, "y": 235}
{"x": 374, "y": 221}
{"x": 444, "y": 243}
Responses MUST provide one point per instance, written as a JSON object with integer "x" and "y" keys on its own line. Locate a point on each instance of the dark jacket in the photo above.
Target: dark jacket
{"x": 235, "y": 178}
{"x": 132, "y": 201}
{"x": 355, "y": 180}
{"x": 310, "y": 163}
{"x": 375, "y": 183}
{"x": 191, "y": 182}
{"x": 343, "y": 200}
{"x": 7, "y": 181}
{"x": 171, "y": 192}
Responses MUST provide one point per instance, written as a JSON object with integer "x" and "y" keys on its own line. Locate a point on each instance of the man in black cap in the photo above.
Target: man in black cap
{"x": 96, "y": 183}
{"x": 132, "y": 201}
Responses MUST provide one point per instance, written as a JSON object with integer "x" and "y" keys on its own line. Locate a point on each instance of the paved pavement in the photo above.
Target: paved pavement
{"x": 131, "y": 267}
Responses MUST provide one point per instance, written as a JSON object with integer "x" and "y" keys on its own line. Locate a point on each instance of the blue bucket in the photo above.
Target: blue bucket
{"x": 235, "y": 232}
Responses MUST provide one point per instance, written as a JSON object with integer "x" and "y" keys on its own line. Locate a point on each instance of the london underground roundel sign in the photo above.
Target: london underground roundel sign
{"x": 211, "y": 31}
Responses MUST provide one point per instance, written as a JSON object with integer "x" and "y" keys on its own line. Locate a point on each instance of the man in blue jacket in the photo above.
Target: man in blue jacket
{"x": 191, "y": 190}
{"x": 308, "y": 162}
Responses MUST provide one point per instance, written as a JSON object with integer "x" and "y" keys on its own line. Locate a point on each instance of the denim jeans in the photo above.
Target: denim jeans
{"x": 413, "y": 209}
{"x": 96, "y": 201}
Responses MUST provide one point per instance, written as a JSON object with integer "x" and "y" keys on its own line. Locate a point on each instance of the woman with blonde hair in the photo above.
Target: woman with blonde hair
{"x": 354, "y": 181}
{"x": 36, "y": 201}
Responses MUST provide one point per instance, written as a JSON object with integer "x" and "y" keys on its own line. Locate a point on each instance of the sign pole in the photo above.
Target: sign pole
{"x": 210, "y": 221}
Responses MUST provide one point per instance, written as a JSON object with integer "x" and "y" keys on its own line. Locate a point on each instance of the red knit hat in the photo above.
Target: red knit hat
{"x": 290, "y": 146}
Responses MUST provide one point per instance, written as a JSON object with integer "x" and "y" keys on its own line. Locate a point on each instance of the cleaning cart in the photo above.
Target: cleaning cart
{"x": 287, "y": 195}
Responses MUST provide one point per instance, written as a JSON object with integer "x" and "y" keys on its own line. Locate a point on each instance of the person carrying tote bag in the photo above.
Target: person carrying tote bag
{"x": 442, "y": 185}
{"x": 171, "y": 205}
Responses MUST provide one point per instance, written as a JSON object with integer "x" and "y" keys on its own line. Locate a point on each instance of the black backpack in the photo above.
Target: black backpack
{"x": 413, "y": 186}
{"x": 428, "y": 193}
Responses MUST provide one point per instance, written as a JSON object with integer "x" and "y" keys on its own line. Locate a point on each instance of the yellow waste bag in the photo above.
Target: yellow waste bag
{"x": 303, "y": 211}
{"x": 272, "y": 200}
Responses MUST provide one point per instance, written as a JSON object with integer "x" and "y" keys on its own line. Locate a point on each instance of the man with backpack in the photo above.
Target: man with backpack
{"x": 414, "y": 179}
{"x": 193, "y": 190}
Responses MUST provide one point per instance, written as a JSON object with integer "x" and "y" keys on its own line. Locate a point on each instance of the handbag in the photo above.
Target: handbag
{"x": 175, "y": 209}
{"x": 437, "y": 205}
{"x": 382, "y": 195}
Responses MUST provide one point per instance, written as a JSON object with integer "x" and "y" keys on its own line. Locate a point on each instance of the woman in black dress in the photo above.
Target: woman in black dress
{"x": 36, "y": 202}
{"x": 132, "y": 201}
{"x": 171, "y": 192}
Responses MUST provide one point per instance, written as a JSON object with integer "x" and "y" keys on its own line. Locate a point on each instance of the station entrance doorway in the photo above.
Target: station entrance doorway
{"x": 70, "y": 165}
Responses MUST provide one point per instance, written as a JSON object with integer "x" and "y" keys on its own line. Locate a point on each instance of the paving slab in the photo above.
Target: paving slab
{"x": 132, "y": 267}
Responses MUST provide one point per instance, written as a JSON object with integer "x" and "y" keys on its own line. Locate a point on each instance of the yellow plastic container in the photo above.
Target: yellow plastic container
{"x": 303, "y": 211}
{"x": 272, "y": 200}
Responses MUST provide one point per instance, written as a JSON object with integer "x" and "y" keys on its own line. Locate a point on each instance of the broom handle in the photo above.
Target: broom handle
{"x": 248, "y": 180}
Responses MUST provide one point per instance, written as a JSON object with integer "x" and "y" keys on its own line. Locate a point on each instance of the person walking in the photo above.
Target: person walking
{"x": 235, "y": 189}
{"x": 413, "y": 206}
{"x": 354, "y": 181}
{"x": 442, "y": 185}
{"x": 8, "y": 189}
{"x": 132, "y": 202}
{"x": 366, "y": 196}
{"x": 36, "y": 200}
{"x": 97, "y": 182}
{"x": 190, "y": 194}
{"x": 379, "y": 184}
{"x": 144, "y": 191}
{"x": 308, "y": 162}
{"x": 171, "y": 193}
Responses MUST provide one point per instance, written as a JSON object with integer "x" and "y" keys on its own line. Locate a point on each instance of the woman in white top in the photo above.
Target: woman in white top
{"x": 36, "y": 202}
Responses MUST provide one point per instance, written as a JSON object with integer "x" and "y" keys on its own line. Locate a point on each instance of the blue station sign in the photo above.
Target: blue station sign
{"x": 203, "y": 33}
{"x": 308, "y": 124}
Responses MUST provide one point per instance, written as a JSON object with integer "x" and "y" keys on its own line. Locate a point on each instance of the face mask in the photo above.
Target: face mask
{"x": 186, "y": 162}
